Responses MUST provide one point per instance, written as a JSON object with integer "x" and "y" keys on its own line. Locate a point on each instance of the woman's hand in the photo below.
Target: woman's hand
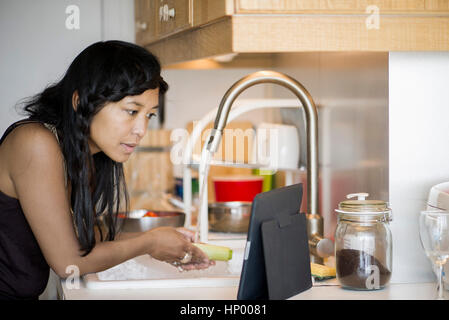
{"x": 175, "y": 247}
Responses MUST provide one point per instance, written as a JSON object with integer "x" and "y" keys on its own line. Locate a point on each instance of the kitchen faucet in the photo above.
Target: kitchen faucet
{"x": 319, "y": 246}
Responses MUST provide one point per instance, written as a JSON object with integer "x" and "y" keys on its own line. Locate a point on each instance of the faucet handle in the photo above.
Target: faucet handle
{"x": 321, "y": 247}
{"x": 360, "y": 195}
{"x": 325, "y": 248}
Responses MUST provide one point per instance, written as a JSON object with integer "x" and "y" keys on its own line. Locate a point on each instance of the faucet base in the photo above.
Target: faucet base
{"x": 315, "y": 259}
{"x": 319, "y": 247}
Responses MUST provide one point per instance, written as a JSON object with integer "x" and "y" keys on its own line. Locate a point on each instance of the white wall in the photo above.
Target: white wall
{"x": 193, "y": 93}
{"x": 37, "y": 48}
{"x": 419, "y": 152}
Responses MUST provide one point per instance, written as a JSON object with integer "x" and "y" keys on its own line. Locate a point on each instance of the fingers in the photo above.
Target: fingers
{"x": 198, "y": 255}
{"x": 189, "y": 234}
{"x": 193, "y": 259}
{"x": 193, "y": 266}
{"x": 175, "y": 247}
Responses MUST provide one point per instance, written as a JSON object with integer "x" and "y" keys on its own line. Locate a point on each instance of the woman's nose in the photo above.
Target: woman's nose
{"x": 140, "y": 128}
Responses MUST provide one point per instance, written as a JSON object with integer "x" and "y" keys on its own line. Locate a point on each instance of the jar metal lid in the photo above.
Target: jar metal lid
{"x": 362, "y": 206}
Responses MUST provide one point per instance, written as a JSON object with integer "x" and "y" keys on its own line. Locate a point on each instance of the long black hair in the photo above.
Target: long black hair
{"x": 103, "y": 72}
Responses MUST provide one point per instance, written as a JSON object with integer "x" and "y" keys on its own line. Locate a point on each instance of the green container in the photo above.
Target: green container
{"x": 268, "y": 178}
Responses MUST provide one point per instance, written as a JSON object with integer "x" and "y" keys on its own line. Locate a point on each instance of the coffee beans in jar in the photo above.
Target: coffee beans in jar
{"x": 363, "y": 244}
{"x": 357, "y": 269}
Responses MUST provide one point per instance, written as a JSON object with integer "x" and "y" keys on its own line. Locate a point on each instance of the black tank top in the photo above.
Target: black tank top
{"x": 23, "y": 269}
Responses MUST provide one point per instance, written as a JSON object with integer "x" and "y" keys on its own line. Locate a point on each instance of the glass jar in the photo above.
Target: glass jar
{"x": 363, "y": 243}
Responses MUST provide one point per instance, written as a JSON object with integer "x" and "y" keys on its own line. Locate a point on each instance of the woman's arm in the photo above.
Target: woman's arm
{"x": 120, "y": 235}
{"x": 35, "y": 164}
{"x": 127, "y": 235}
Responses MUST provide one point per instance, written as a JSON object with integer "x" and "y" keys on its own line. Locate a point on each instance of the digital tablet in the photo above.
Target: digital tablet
{"x": 266, "y": 206}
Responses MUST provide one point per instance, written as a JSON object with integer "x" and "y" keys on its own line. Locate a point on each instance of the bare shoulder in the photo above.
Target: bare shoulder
{"x": 29, "y": 144}
{"x": 32, "y": 137}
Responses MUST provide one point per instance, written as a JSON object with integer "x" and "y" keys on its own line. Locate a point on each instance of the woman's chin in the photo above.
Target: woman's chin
{"x": 119, "y": 157}
{"x": 122, "y": 158}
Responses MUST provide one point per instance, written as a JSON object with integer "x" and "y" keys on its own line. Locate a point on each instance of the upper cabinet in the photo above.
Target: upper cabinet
{"x": 156, "y": 19}
{"x": 183, "y": 30}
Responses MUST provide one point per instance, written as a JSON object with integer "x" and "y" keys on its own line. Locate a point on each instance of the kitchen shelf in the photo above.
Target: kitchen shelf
{"x": 238, "y": 109}
{"x": 241, "y": 106}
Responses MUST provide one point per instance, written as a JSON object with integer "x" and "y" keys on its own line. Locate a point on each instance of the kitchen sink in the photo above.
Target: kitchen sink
{"x": 147, "y": 272}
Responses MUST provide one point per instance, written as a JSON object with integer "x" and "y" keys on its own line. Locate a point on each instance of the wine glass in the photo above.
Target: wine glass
{"x": 434, "y": 235}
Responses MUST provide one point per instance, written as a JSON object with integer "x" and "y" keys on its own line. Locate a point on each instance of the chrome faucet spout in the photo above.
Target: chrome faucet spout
{"x": 311, "y": 120}
{"x": 312, "y": 139}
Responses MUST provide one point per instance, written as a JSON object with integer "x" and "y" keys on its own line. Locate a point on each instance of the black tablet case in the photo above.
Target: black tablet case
{"x": 287, "y": 260}
{"x": 290, "y": 234}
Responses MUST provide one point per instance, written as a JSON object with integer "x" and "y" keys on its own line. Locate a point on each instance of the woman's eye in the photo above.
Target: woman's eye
{"x": 132, "y": 112}
{"x": 151, "y": 115}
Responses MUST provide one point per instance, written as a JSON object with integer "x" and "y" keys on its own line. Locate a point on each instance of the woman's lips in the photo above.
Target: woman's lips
{"x": 129, "y": 148}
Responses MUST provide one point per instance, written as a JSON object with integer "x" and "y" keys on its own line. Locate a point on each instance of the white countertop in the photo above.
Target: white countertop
{"x": 322, "y": 290}
{"x": 397, "y": 291}
{"x": 410, "y": 291}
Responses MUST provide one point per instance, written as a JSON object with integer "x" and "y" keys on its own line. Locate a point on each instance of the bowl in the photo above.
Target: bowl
{"x": 237, "y": 188}
{"x": 439, "y": 197}
{"x": 152, "y": 219}
{"x": 229, "y": 217}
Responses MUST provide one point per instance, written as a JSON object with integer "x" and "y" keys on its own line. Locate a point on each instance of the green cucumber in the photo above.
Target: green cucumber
{"x": 215, "y": 252}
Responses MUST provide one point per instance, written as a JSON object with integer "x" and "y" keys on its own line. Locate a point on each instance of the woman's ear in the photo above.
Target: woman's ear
{"x": 75, "y": 100}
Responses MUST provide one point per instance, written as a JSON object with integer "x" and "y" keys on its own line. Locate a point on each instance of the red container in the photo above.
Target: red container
{"x": 237, "y": 188}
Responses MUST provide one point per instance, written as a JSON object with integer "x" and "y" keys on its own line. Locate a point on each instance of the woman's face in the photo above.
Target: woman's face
{"x": 119, "y": 126}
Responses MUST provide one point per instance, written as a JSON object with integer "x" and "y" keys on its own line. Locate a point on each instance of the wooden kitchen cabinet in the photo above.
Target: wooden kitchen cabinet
{"x": 206, "y": 28}
{"x": 206, "y": 11}
{"x": 173, "y": 16}
{"x": 156, "y": 19}
{"x": 145, "y": 19}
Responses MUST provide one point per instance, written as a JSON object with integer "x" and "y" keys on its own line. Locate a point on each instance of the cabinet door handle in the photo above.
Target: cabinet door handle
{"x": 171, "y": 13}
{"x": 141, "y": 26}
{"x": 165, "y": 13}
{"x": 161, "y": 13}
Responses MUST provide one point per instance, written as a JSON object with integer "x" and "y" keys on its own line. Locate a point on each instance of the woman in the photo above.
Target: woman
{"x": 61, "y": 170}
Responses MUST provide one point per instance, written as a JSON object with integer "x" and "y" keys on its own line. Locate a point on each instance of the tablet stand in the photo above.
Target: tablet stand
{"x": 286, "y": 253}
